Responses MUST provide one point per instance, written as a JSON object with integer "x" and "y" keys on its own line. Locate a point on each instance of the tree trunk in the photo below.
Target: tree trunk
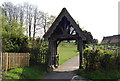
{"x": 34, "y": 23}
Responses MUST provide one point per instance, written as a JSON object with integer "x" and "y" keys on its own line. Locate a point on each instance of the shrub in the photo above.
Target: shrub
{"x": 13, "y": 38}
{"x": 92, "y": 58}
{"x": 101, "y": 59}
{"x": 15, "y": 44}
{"x": 38, "y": 52}
{"x": 105, "y": 61}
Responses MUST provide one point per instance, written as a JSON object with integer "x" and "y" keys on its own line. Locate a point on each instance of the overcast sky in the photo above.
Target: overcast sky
{"x": 100, "y": 17}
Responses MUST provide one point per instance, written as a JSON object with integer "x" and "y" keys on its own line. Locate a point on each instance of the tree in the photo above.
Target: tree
{"x": 90, "y": 39}
{"x": 46, "y": 21}
{"x": 11, "y": 29}
{"x": 88, "y": 36}
{"x": 95, "y": 41}
{"x": 30, "y": 17}
{"x": 13, "y": 38}
{"x": 21, "y": 14}
{"x": 12, "y": 11}
{"x": 27, "y": 15}
{"x": 51, "y": 20}
{"x": 35, "y": 19}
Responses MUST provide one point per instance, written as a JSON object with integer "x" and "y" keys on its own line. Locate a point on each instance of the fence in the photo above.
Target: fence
{"x": 13, "y": 60}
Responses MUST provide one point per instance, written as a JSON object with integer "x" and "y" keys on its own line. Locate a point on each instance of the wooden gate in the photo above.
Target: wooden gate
{"x": 63, "y": 28}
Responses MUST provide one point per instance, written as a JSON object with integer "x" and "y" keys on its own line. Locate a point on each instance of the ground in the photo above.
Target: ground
{"x": 66, "y": 71}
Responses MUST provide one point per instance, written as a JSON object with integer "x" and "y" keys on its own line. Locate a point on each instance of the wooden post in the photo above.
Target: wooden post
{"x": 6, "y": 68}
{"x": 19, "y": 59}
{"x": 50, "y": 56}
{"x": 1, "y": 61}
{"x": 53, "y": 54}
{"x": 13, "y": 60}
{"x": 80, "y": 48}
{"x": 28, "y": 58}
{"x": 9, "y": 60}
{"x": 56, "y": 55}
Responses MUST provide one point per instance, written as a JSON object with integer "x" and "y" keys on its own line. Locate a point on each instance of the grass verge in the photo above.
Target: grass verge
{"x": 33, "y": 72}
{"x": 100, "y": 75}
{"x": 66, "y": 51}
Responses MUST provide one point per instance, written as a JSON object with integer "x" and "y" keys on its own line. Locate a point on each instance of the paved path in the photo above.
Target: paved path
{"x": 65, "y": 72}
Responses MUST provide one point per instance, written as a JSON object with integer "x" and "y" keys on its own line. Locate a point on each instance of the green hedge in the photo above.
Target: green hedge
{"x": 37, "y": 48}
{"x": 15, "y": 44}
{"x": 38, "y": 52}
{"x": 101, "y": 59}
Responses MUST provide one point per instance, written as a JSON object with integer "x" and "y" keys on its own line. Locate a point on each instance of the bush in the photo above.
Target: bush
{"x": 92, "y": 59}
{"x": 38, "y": 52}
{"x": 15, "y": 44}
{"x": 37, "y": 48}
{"x": 105, "y": 61}
{"x": 101, "y": 59}
{"x": 13, "y": 38}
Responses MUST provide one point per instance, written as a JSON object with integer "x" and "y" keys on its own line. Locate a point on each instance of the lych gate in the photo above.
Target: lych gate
{"x": 63, "y": 28}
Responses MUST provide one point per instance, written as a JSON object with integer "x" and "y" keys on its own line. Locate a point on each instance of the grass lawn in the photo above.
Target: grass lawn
{"x": 66, "y": 51}
{"x": 33, "y": 72}
{"x": 100, "y": 75}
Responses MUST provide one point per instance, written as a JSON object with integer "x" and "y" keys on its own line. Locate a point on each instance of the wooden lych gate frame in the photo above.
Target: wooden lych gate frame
{"x": 63, "y": 28}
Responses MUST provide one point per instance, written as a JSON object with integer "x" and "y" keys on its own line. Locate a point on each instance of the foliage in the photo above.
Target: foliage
{"x": 91, "y": 58}
{"x": 89, "y": 38}
{"x": 34, "y": 72}
{"x": 38, "y": 52}
{"x": 95, "y": 41}
{"x": 15, "y": 44}
{"x": 40, "y": 49}
{"x": 27, "y": 15}
{"x": 15, "y": 41}
{"x": 11, "y": 28}
{"x": 101, "y": 62}
{"x": 101, "y": 59}
{"x": 13, "y": 38}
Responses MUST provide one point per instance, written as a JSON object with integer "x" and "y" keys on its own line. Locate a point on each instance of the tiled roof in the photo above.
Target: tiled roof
{"x": 111, "y": 39}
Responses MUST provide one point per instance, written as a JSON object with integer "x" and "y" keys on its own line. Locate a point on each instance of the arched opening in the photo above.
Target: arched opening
{"x": 66, "y": 50}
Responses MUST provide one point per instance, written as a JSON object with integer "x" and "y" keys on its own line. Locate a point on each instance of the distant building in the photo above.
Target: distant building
{"x": 111, "y": 40}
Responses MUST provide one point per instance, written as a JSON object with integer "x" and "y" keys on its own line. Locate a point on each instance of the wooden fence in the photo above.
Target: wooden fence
{"x": 13, "y": 60}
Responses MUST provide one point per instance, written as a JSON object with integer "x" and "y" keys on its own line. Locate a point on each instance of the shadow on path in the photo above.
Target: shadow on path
{"x": 65, "y": 72}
